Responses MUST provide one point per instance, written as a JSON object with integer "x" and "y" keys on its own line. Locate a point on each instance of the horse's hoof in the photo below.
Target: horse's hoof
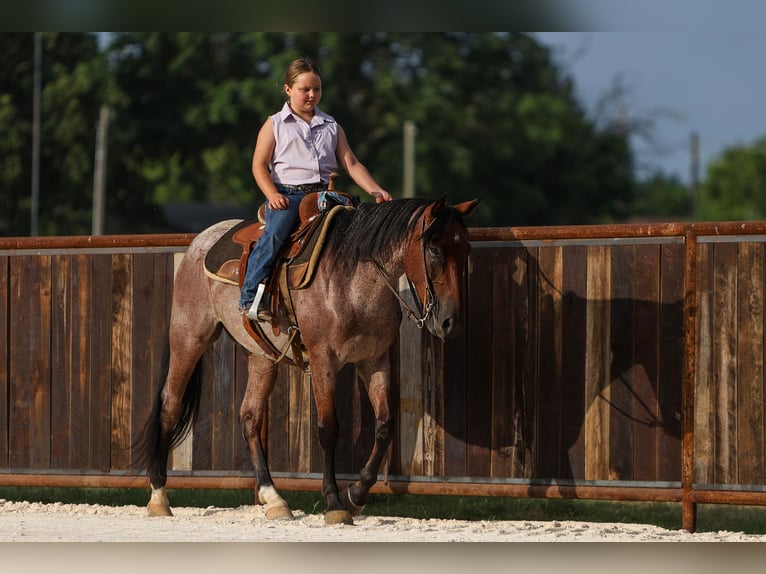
{"x": 279, "y": 512}
{"x": 354, "y": 509}
{"x": 332, "y": 517}
{"x": 158, "y": 510}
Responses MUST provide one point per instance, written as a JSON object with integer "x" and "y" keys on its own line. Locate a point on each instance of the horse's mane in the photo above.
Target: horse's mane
{"x": 373, "y": 231}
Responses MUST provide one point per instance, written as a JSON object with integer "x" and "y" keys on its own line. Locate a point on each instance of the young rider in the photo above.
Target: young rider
{"x": 296, "y": 151}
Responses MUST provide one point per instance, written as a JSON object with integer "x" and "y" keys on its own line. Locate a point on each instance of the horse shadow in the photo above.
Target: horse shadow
{"x": 585, "y": 381}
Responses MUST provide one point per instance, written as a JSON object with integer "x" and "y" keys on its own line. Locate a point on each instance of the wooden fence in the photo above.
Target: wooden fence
{"x": 616, "y": 362}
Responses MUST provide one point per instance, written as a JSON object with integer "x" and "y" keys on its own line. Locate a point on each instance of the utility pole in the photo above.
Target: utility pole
{"x": 99, "y": 172}
{"x": 36, "y": 97}
{"x": 410, "y": 132}
{"x": 694, "y": 168}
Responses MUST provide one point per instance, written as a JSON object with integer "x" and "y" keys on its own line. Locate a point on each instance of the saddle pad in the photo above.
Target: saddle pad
{"x": 300, "y": 270}
{"x": 225, "y": 249}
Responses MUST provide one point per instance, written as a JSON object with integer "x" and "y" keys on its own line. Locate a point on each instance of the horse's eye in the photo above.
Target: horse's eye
{"x": 434, "y": 251}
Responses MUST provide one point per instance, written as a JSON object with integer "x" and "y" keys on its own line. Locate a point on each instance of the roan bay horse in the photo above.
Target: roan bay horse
{"x": 349, "y": 313}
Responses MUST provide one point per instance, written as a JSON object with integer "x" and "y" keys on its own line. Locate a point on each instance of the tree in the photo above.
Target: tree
{"x": 495, "y": 118}
{"x": 74, "y": 85}
{"x": 661, "y": 196}
{"x": 735, "y": 184}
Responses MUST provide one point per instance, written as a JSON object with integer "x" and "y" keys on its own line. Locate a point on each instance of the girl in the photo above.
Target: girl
{"x": 296, "y": 151}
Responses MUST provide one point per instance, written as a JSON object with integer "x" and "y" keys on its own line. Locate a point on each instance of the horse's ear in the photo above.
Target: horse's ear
{"x": 467, "y": 207}
{"x": 438, "y": 206}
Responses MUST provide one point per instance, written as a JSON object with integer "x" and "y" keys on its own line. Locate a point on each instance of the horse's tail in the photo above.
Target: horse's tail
{"x": 151, "y": 448}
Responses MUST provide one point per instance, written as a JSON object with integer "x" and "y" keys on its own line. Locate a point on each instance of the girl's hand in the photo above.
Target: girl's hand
{"x": 278, "y": 202}
{"x": 381, "y": 196}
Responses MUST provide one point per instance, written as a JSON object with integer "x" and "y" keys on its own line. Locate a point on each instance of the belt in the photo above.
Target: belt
{"x": 304, "y": 187}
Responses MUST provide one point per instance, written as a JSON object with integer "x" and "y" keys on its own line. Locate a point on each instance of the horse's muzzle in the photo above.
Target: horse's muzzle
{"x": 445, "y": 326}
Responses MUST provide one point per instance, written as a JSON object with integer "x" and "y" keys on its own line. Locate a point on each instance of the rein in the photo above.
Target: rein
{"x": 430, "y": 304}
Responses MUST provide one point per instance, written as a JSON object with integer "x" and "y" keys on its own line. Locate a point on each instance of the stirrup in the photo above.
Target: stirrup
{"x": 258, "y": 310}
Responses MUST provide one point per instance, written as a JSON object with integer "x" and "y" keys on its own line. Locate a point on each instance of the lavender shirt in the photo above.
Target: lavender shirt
{"x": 304, "y": 153}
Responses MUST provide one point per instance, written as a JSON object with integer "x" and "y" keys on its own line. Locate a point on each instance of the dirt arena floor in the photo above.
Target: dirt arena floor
{"x": 37, "y": 522}
{"x": 83, "y": 539}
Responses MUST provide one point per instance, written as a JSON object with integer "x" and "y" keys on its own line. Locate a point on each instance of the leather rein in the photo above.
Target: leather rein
{"x": 427, "y": 307}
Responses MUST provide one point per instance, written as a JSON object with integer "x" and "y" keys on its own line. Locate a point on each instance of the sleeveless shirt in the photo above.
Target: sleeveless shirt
{"x": 304, "y": 153}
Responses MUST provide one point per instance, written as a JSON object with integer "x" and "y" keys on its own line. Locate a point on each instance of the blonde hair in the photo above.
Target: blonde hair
{"x": 298, "y": 67}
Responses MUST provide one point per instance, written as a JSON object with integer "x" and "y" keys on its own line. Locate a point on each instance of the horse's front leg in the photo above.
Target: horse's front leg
{"x": 262, "y": 374}
{"x": 323, "y": 383}
{"x": 377, "y": 376}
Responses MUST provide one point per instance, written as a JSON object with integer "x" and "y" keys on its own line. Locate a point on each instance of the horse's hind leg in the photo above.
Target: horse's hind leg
{"x": 377, "y": 376}
{"x": 177, "y": 403}
{"x": 262, "y": 374}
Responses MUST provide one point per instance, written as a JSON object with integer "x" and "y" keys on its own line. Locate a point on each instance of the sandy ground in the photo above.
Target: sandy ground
{"x": 36, "y": 522}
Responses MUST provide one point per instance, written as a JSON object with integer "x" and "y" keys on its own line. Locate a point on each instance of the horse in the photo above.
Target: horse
{"x": 349, "y": 314}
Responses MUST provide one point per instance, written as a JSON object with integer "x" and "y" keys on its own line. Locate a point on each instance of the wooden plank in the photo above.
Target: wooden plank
{"x": 725, "y": 345}
{"x": 4, "y": 357}
{"x": 597, "y": 391}
{"x": 224, "y": 415}
{"x": 621, "y": 376}
{"x": 433, "y": 408}
{"x": 671, "y": 361}
{"x": 479, "y": 390}
{"x": 454, "y": 424}
{"x": 79, "y": 313}
{"x": 571, "y": 449}
{"x": 750, "y": 408}
{"x": 410, "y": 425}
{"x": 241, "y": 455}
{"x": 549, "y": 386}
{"x": 122, "y": 360}
{"x": 204, "y": 427}
{"x": 29, "y": 393}
{"x": 100, "y": 362}
{"x": 299, "y": 422}
{"x": 277, "y": 444}
{"x": 142, "y": 384}
{"x": 646, "y": 321}
{"x": 704, "y": 393}
{"x": 152, "y": 289}
{"x": 504, "y": 351}
{"x": 527, "y": 369}
{"x": 61, "y": 358}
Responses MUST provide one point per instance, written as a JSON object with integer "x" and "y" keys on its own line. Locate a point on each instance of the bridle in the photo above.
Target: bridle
{"x": 430, "y": 304}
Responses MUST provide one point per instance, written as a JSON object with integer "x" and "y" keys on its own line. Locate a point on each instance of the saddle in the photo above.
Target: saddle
{"x": 293, "y": 269}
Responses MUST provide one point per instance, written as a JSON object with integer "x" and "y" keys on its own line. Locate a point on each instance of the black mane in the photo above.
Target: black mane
{"x": 374, "y": 231}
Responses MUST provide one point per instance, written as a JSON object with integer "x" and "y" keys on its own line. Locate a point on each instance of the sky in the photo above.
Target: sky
{"x": 702, "y": 79}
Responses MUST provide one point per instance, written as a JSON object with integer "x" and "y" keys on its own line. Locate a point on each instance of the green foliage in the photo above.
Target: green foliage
{"x": 735, "y": 185}
{"x": 495, "y": 118}
{"x": 662, "y": 197}
{"x": 73, "y": 89}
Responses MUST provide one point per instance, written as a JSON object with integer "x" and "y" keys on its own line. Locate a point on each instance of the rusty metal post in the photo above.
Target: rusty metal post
{"x": 688, "y": 505}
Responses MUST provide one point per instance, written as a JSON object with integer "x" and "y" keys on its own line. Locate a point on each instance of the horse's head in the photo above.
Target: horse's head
{"x": 434, "y": 263}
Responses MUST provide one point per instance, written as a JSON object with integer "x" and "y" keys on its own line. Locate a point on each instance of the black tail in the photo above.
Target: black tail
{"x": 151, "y": 448}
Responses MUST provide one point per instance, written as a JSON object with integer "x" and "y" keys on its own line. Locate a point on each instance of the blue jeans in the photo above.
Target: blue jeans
{"x": 279, "y": 225}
